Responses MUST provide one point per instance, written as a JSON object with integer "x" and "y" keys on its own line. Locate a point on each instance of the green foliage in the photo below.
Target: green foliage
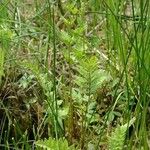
{"x": 5, "y": 37}
{"x": 117, "y": 138}
{"x": 1, "y": 63}
{"x": 3, "y": 11}
{"x": 25, "y": 80}
{"x": 89, "y": 80}
{"x": 56, "y": 72}
{"x": 52, "y": 144}
{"x": 90, "y": 76}
{"x": 49, "y": 108}
{"x": 116, "y": 141}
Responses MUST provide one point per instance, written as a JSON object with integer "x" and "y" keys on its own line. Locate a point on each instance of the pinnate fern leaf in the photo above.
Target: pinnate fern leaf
{"x": 90, "y": 77}
{"x": 52, "y": 144}
{"x": 117, "y": 139}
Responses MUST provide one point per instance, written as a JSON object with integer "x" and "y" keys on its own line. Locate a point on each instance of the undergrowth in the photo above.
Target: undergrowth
{"x": 74, "y": 74}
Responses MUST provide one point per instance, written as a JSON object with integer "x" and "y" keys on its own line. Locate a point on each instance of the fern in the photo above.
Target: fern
{"x": 52, "y": 144}
{"x": 89, "y": 80}
{"x": 90, "y": 77}
{"x": 117, "y": 139}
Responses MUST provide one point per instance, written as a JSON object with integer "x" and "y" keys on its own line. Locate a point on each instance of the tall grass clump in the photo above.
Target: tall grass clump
{"x": 127, "y": 34}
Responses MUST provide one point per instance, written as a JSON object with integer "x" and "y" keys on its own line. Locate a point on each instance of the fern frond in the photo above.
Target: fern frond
{"x": 117, "y": 139}
{"x": 52, "y": 144}
{"x": 90, "y": 77}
